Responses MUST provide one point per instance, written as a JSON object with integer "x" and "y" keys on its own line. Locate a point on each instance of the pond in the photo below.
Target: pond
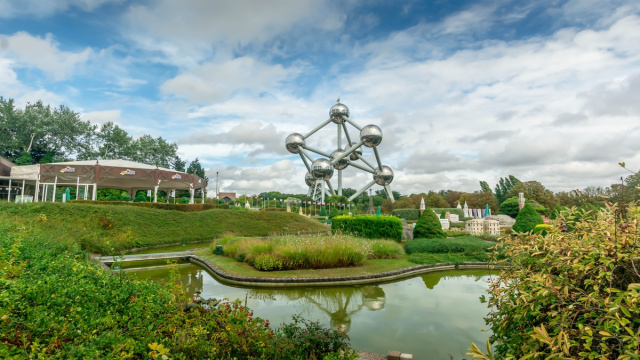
{"x": 435, "y": 315}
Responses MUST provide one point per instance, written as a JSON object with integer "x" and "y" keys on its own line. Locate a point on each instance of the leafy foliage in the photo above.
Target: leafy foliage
{"x": 306, "y": 252}
{"x": 461, "y": 244}
{"x": 428, "y": 226}
{"x": 527, "y": 219}
{"x": 504, "y": 186}
{"x": 56, "y": 303}
{"x": 572, "y": 294}
{"x": 369, "y": 226}
{"x": 407, "y": 214}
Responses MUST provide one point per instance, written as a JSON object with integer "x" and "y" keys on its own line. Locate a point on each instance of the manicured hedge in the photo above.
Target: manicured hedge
{"x": 407, "y": 214}
{"x": 527, "y": 219}
{"x": 457, "y": 211}
{"x": 369, "y": 226}
{"x": 161, "y": 206}
{"x": 463, "y": 244}
{"x": 429, "y": 226}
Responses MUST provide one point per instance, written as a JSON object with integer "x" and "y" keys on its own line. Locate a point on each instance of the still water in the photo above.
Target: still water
{"x": 431, "y": 316}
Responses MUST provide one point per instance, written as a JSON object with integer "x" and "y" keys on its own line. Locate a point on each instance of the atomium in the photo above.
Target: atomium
{"x": 321, "y": 170}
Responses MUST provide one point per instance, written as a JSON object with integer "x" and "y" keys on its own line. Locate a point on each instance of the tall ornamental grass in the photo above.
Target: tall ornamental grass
{"x": 307, "y": 252}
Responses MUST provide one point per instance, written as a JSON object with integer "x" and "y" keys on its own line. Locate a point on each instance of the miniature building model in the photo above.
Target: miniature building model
{"x": 474, "y": 226}
{"x": 492, "y": 227}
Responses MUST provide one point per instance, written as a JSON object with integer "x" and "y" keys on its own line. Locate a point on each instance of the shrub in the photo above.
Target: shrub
{"x": 569, "y": 295}
{"x": 509, "y": 207}
{"x": 323, "y": 211}
{"x": 450, "y": 210}
{"x": 428, "y": 226}
{"x": 454, "y": 233}
{"x": 57, "y": 304}
{"x": 527, "y": 219}
{"x": 114, "y": 197}
{"x": 369, "y": 226}
{"x": 468, "y": 244}
{"x": 407, "y": 214}
{"x": 542, "y": 229}
{"x": 556, "y": 211}
{"x": 140, "y": 198}
{"x": 184, "y": 200}
{"x": 443, "y": 215}
{"x": 125, "y": 197}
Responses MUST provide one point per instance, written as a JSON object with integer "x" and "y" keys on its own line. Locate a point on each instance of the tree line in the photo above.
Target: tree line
{"x": 40, "y": 134}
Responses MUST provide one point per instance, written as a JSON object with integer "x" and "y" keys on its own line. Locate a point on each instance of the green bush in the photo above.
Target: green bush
{"x": 509, "y": 207}
{"x": 457, "y": 225}
{"x": 443, "y": 215}
{"x": 368, "y": 226}
{"x": 58, "y": 304}
{"x": 428, "y": 226}
{"x": 542, "y": 229}
{"x": 527, "y": 219}
{"x": 457, "y": 211}
{"x": 444, "y": 258}
{"x": 140, "y": 198}
{"x": 556, "y": 211}
{"x": 455, "y": 233}
{"x": 569, "y": 295}
{"x": 323, "y": 211}
{"x": 112, "y": 197}
{"x": 184, "y": 200}
{"x": 125, "y": 197}
{"x": 468, "y": 244}
{"x": 407, "y": 214}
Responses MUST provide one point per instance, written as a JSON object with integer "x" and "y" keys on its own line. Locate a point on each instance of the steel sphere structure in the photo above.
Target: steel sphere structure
{"x": 321, "y": 170}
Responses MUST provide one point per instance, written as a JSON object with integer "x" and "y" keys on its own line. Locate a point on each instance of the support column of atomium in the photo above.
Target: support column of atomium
{"x": 322, "y": 169}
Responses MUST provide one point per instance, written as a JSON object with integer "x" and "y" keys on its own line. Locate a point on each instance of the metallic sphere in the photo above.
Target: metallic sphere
{"x": 337, "y": 111}
{"x": 293, "y": 143}
{"x": 383, "y": 176}
{"x": 321, "y": 169}
{"x": 309, "y": 179}
{"x": 356, "y": 154}
{"x": 343, "y": 163}
{"x": 371, "y": 135}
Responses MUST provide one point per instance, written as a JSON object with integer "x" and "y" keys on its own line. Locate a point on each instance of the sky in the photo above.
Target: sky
{"x": 464, "y": 91}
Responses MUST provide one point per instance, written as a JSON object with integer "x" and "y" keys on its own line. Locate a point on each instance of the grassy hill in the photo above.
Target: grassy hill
{"x": 111, "y": 229}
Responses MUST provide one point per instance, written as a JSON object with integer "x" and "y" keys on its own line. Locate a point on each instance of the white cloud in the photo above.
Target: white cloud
{"x": 43, "y": 54}
{"x": 38, "y": 8}
{"x": 101, "y": 117}
{"x": 212, "y": 82}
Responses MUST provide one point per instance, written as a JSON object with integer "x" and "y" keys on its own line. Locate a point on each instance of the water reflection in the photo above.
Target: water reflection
{"x": 338, "y": 303}
{"x": 433, "y": 315}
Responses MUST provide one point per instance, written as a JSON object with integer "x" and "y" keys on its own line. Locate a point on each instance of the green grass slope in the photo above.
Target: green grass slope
{"x": 112, "y": 229}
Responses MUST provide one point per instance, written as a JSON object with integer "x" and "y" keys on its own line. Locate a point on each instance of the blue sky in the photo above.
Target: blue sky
{"x": 464, "y": 91}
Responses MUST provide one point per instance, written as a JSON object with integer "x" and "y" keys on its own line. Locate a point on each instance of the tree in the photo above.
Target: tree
{"x": 504, "y": 186}
{"x": 510, "y": 207}
{"x": 428, "y": 226}
{"x": 112, "y": 143}
{"x": 179, "y": 164}
{"x": 535, "y": 191}
{"x": 485, "y": 188}
{"x": 527, "y": 219}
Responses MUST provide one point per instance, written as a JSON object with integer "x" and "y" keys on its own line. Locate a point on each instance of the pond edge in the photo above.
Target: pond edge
{"x": 337, "y": 281}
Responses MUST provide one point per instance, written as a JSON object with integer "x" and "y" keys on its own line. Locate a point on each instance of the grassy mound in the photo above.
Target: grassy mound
{"x": 111, "y": 229}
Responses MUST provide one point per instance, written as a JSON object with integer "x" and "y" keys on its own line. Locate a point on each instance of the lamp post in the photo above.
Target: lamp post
{"x": 217, "y": 194}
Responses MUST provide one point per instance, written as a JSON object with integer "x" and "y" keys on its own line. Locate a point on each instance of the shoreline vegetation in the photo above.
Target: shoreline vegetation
{"x": 62, "y": 304}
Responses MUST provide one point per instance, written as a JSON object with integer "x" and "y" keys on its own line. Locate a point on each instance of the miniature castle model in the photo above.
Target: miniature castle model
{"x": 482, "y": 226}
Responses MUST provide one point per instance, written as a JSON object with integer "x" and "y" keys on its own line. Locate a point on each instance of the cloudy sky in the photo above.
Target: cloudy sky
{"x": 545, "y": 90}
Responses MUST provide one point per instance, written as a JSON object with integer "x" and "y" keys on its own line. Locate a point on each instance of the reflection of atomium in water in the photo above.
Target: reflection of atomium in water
{"x": 322, "y": 169}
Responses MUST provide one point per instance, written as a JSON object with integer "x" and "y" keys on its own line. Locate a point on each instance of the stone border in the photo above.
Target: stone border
{"x": 333, "y": 281}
